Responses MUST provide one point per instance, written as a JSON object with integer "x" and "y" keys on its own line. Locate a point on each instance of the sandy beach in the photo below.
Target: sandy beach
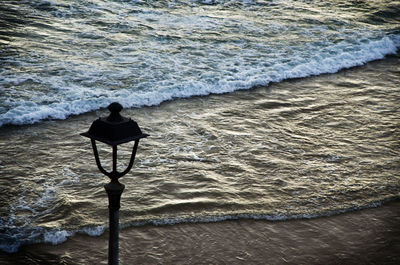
{"x": 370, "y": 236}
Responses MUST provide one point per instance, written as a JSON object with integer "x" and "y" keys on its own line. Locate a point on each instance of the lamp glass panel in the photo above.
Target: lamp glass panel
{"x": 123, "y": 155}
{"x": 105, "y": 155}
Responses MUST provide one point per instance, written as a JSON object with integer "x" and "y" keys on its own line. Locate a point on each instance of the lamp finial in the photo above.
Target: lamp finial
{"x": 115, "y": 109}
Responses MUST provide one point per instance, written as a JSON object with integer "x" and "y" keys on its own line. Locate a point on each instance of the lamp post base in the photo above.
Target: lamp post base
{"x": 114, "y": 190}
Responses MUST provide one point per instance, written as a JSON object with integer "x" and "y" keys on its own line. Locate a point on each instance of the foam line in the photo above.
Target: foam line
{"x": 58, "y": 235}
{"x": 328, "y": 60}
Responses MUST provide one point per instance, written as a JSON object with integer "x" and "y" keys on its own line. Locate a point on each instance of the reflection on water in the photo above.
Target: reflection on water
{"x": 300, "y": 148}
{"x": 63, "y": 58}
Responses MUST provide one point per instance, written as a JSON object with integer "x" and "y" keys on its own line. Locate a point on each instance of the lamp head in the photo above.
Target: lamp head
{"x": 114, "y": 129}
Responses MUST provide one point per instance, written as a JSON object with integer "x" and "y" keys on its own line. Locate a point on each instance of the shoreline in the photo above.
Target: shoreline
{"x": 389, "y": 58}
{"x": 369, "y": 236}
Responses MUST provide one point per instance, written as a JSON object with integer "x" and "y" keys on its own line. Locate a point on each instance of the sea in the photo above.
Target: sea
{"x": 267, "y": 110}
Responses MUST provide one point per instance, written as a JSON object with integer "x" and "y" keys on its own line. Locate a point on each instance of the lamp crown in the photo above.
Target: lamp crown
{"x": 114, "y": 129}
{"x": 115, "y": 108}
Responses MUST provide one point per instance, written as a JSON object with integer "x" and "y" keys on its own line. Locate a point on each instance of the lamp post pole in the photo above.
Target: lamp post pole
{"x": 114, "y": 130}
{"x": 114, "y": 190}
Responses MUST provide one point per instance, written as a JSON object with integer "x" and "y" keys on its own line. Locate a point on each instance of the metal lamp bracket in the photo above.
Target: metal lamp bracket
{"x": 114, "y": 174}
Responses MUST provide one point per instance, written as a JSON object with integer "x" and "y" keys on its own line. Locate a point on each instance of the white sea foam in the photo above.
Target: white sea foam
{"x": 255, "y": 216}
{"x": 81, "y": 99}
{"x": 70, "y": 177}
{"x": 93, "y": 231}
{"x": 160, "y": 54}
{"x": 59, "y": 235}
{"x": 56, "y": 236}
{"x": 17, "y": 225}
{"x": 142, "y": 55}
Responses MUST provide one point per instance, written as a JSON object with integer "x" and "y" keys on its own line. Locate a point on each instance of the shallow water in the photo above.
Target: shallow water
{"x": 297, "y": 149}
{"x": 288, "y": 149}
{"x": 369, "y": 236}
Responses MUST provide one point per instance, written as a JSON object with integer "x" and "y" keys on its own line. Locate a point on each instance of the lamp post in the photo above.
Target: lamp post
{"x": 114, "y": 130}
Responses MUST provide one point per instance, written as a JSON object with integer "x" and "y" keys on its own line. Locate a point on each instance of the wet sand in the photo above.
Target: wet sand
{"x": 370, "y": 236}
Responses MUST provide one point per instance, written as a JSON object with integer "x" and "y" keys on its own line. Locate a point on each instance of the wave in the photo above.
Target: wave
{"x": 57, "y": 236}
{"x": 80, "y": 100}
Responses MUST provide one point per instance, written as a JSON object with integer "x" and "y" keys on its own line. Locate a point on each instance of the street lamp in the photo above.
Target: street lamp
{"x": 114, "y": 130}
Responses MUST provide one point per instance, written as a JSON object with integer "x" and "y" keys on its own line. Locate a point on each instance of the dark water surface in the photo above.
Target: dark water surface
{"x": 301, "y": 148}
{"x": 267, "y": 147}
{"x": 297, "y": 149}
{"x": 66, "y": 57}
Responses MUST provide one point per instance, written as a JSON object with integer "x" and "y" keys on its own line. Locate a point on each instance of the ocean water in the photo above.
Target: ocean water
{"x": 277, "y": 133}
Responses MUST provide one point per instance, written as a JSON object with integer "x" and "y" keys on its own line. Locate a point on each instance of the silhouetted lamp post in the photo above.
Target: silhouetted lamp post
{"x": 114, "y": 130}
